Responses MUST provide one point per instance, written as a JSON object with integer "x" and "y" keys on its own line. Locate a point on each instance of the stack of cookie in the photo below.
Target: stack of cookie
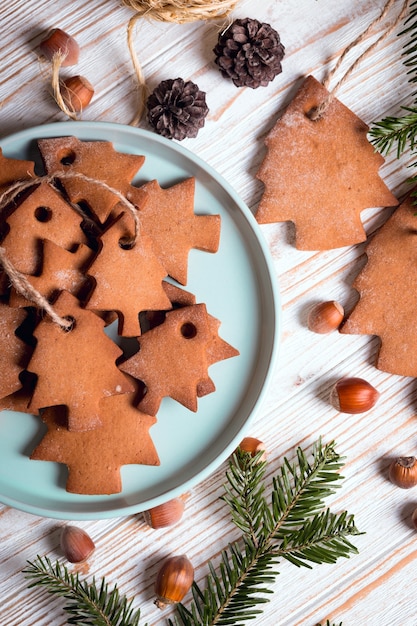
{"x": 99, "y": 250}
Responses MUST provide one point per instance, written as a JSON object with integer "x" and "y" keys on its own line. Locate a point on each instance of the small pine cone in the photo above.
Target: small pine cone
{"x": 177, "y": 109}
{"x": 250, "y": 53}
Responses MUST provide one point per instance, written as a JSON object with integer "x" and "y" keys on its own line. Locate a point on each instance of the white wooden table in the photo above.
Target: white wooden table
{"x": 377, "y": 586}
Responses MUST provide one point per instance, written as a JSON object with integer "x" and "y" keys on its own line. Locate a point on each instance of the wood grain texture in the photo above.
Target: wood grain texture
{"x": 376, "y": 587}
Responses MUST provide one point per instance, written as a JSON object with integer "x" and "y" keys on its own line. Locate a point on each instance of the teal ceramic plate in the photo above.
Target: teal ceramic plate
{"x": 238, "y": 286}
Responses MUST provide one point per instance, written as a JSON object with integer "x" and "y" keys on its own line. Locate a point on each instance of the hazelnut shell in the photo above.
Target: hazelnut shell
{"x": 59, "y": 42}
{"x": 325, "y": 317}
{"x": 403, "y": 472}
{"x": 353, "y": 395}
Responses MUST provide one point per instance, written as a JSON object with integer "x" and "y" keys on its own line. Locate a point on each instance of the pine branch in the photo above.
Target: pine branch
{"x": 292, "y": 527}
{"x": 87, "y": 605}
{"x": 244, "y": 494}
{"x": 322, "y": 539}
{"x": 400, "y": 131}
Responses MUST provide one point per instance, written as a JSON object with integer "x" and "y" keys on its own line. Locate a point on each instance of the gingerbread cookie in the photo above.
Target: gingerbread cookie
{"x": 322, "y": 173}
{"x": 97, "y": 160}
{"x": 14, "y": 353}
{"x": 168, "y": 218}
{"x": 386, "y": 286}
{"x": 75, "y": 368}
{"x": 128, "y": 280}
{"x": 172, "y": 358}
{"x": 44, "y": 214}
{"x": 94, "y": 457}
{"x": 14, "y": 170}
{"x": 216, "y": 350}
{"x": 61, "y": 270}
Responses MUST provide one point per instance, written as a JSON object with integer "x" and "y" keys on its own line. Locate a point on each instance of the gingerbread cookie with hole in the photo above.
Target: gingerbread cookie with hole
{"x": 320, "y": 173}
{"x": 128, "y": 279}
{"x": 172, "y": 358}
{"x": 43, "y": 214}
{"x": 217, "y": 349}
{"x": 75, "y": 367}
{"x": 69, "y": 157}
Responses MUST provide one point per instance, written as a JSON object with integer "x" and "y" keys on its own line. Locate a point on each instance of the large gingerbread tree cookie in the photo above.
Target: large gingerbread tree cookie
{"x": 320, "y": 173}
{"x": 388, "y": 297}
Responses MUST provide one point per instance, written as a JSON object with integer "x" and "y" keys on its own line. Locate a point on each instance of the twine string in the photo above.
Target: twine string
{"x": 24, "y": 287}
{"x": 320, "y": 110}
{"x": 181, "y": 11}
{"x": 14, "y": 190}
{"x": 19, "y": 280}
{"x": 140, "y": 77}
{"x": 57, "y": 60}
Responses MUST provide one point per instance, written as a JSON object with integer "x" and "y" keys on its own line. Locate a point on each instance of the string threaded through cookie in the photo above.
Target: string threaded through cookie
{"x": 17, "y": 278}
{"x": 317, "y": 112}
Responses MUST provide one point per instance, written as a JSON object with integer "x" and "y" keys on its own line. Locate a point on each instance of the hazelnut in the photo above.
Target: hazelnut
{"x": 325, "y": 317}
{"x": 58, "y": 42}
{"x": 353, "y": 395}
{"x": 403, "y": 472}
{"x": 253, "y": 446}
{"x": 173, "y": 581}
{"x": 166, "y": 514}
{"x": 76, "y": 92}
{"x": 76, "y": 544}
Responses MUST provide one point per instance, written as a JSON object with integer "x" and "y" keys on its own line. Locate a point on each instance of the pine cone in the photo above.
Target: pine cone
{"x": 177, "y": 109}
{"x": 250, "y": 53}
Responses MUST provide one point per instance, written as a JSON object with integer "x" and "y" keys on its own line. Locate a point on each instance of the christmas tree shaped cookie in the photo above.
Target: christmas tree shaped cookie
{"x": 168, "y": 217}
{"x": 217, "y": 349}
{"x": 94, "y": 457}
{"x": 97, "y": 160}
{"x": 44, "y": 214}
{"x": 320, "y": 173}
{"x": 75, "y": 368}
{"x": 388, "y": 297}
{"x": 128, "y": 280}
{"x": 185, "y": 334}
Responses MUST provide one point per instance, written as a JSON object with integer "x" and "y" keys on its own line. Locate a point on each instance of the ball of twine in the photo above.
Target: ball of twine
{"x": 181, "y": 11}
